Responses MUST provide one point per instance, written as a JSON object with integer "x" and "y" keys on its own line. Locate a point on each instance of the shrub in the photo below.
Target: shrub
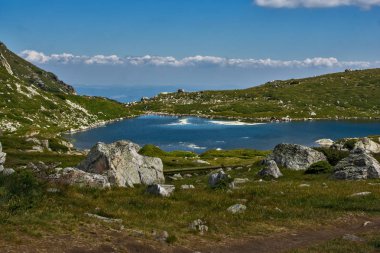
{"x": 55, "y": 145}
{"x": 350, "y": 144}
{"x": 320, "y": 167}
{"x": 333, "y": 155}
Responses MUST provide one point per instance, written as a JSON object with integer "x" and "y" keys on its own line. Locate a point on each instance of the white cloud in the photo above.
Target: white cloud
{"x": 103, "y": 59}
{"x": 316, "y": 3}
{"x": 192, "y": 61}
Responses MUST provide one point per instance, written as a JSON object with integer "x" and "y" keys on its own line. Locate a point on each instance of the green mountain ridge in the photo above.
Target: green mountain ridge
{"x": 35, "y": 101}
{"x": 345, "y": 95}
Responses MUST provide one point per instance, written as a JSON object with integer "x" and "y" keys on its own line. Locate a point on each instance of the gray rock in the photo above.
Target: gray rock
{"x": 368, "y": 145}
{"x": 7, "y": 172}
{"x": 238, "y": 208}
{"x": 105, "y": 219}
{"x": 270, "y": 169}
{"x": 123, "y": 165}
{"x": 325, "y": 142}
{"x": 198, "y": 225}
{"x": 360, "y": 194}
{"x": 357, "y": 166}
{"x": 2, "y": 158}
{"x": 295, "y": 157}
{"x": 353, "y": 238}
{"x": 161, "y": 236}
{"x": 74, "y": 176}
{"x": 176, "y": 177}
{"x": 187, "y": 186}
{"x": 216, "y": 177}
{"x": 164, "y": 190}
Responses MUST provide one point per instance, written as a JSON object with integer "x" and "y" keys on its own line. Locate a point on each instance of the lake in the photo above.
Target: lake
{"x": 200, "y": 134}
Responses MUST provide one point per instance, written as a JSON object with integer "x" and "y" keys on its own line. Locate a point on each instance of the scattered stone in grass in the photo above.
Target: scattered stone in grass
{"x": 241, "y": 180}
{"x": 161, "y": 236}
{"x": 278, "y": 209}
{"x": 228, "y": 169}
{"x": 198, "y": 225}
{"x": 187, "y": 186}
{"x": 271, "y": 169}
{"x": 352, "y": 238}
{"x": 237, "y": 208}
{"x": 304, "y": 185}
{"x": 7, "y": 172}
{"x": 187, "y": 176}
{"x": 325, "y": 185}
{"x": 359, "y": 194}
{"x": 366, "y": 223}
{"x": 52, "y": 190}
{"x": 201, "y": 162}
{"x": 176, "y": 177}
{"x": 105, "y": 219}
{"x": 238, "y": 168}
{"x": 374, "y": 184}
{"x": 164, "y": 190}
{"x": 219, "y": 179}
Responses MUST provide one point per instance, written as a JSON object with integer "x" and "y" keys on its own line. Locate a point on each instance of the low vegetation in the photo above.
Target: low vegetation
{"x": 351, "y": 94}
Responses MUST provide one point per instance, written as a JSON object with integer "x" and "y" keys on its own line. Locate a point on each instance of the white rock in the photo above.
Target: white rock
{"x": 237, "y": 208}
{"x": 187, "y": 186}
{"x": 359, "y": 194}
{"x": 161, "y": 190}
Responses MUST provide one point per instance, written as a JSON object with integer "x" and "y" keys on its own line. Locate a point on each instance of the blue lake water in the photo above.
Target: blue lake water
{"x": 200, "y": 134}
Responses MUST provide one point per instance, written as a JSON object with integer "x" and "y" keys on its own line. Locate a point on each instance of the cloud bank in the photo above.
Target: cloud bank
{"x": 192, "y": 61}
{"x": 316, "y": 3}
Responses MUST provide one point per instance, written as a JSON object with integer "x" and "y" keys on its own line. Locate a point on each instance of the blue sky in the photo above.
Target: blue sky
{"x": 196, "y": 44}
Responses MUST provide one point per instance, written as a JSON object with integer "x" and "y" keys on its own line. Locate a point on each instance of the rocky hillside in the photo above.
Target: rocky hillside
{"x": 348, "y": 94}
{"x": 36, "y": 101}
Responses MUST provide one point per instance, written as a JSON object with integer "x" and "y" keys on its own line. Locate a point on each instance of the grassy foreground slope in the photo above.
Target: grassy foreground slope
{"x": 348, "y": 94}
{"x": 36, "y": 101}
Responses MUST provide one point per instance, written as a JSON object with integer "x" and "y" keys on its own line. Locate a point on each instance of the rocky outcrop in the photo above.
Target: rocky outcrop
{"x": 368, "y": 145}
{"x": 271, "y": 169}
{"x": 295, "y": 157}
{"x": 216, "y": 178}
{"x": 359, "y": 165}
{"x": 163, "y": 190}
{"x": 121, "y": 163}
{"x": 2, "y": 158}
{"x": 74, "y": 176}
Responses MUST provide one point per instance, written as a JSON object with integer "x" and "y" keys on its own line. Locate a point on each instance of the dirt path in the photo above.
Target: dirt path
{"x": 99, "y": 241}
{"x": 302, "y": 239}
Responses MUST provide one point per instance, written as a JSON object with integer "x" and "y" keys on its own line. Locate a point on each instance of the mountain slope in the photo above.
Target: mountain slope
{"x": 348, "y": 94}
{"x": 33, "y": 100}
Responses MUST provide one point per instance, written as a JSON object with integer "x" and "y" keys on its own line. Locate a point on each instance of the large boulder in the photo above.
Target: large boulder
{"x": 358, "y": 165}
{"x": 121, "y": 163}
{"x": 2, "y": 158}
{"x": 271, "y": 169}
{"x": 295, "y": 157}
{"x": 74, "y": 176}
{"x": 368, "y": 145}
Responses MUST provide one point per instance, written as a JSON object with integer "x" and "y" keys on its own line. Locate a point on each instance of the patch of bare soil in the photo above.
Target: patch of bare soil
{"x": 99, "y": 240}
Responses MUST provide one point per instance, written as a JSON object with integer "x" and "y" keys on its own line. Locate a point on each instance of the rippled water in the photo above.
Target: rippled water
{"x": 199, "y": 134}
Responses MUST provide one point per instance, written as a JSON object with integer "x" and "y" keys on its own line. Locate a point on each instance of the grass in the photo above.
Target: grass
{"x": 175, "y": 160}
{"x": 370, "y": 245}
{"x": 339, "y": 95}
{"x": 272, "y": 206}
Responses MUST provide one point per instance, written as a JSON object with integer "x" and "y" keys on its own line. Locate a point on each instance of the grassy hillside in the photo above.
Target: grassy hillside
{"x": 33, "y": 100}
{"x": 340, "y": 95}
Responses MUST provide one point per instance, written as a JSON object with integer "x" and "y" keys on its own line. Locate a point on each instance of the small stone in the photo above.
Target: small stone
{"x": 198, "y": 225}
{"x": 359, "y": 194}
{"x": 366, "y": 223}
{"x": 161, "y": 236}
{"x": 304, "y": 185}
{"x": 352, "y": 238}
{"x": 52, "y": 190}
{"x": 237, "y": 208}
{"x": 161, "y": 189}
{"x": 8, "y": 172}
{"x": 187, "y": 186}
